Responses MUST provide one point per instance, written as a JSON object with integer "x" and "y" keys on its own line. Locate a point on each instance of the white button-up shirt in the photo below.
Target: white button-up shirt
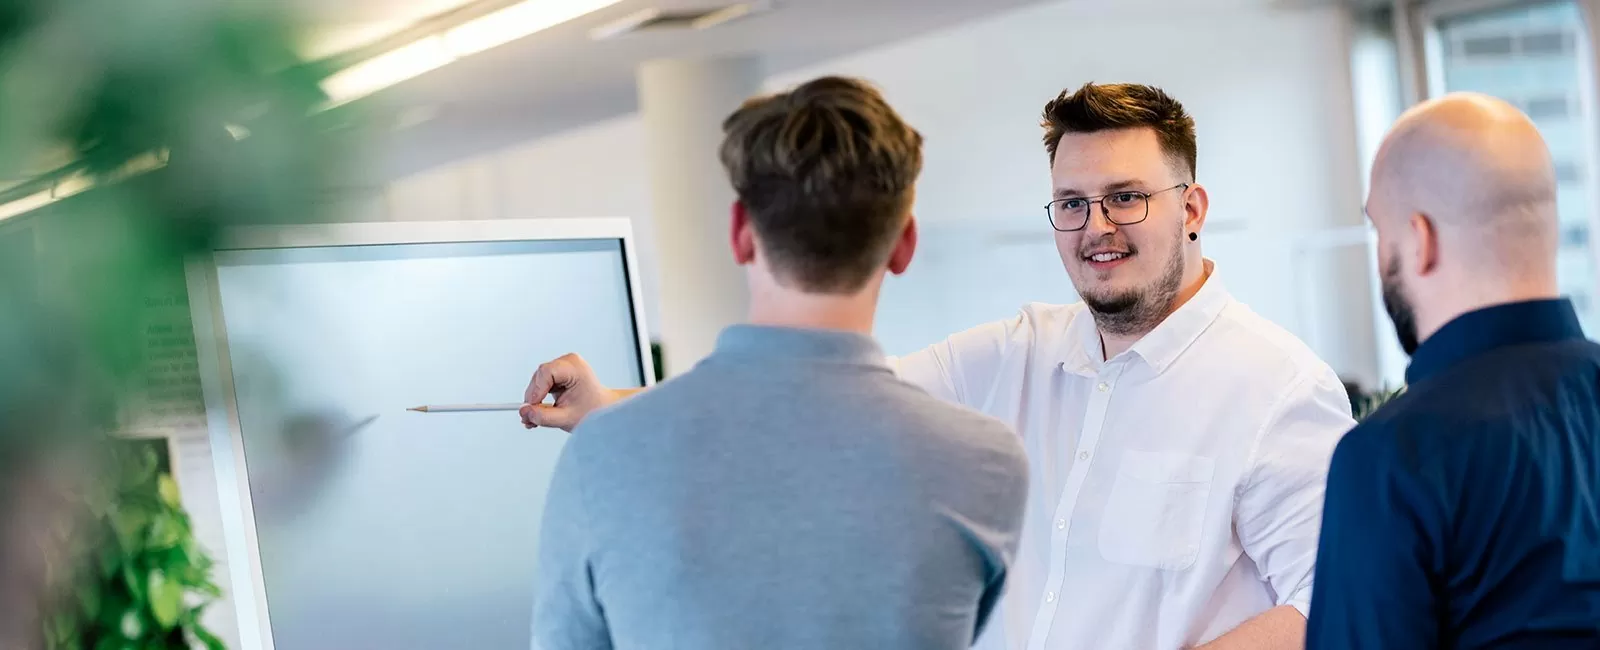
{"x": 1176, "y": 489}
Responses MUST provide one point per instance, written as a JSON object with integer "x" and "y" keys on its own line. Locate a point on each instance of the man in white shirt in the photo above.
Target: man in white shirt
{"x": 1178, "y": 442}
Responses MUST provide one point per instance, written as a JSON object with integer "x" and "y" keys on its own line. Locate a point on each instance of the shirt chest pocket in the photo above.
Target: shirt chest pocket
{"x": 1156, "y": 510}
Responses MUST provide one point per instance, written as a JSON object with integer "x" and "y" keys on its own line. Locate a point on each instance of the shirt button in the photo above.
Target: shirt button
{"x": 1050, "y": 597}
{"x": 1083, "y": 455}
{"x": 1103, "y": 387}
{"x": 1061, "y": 524}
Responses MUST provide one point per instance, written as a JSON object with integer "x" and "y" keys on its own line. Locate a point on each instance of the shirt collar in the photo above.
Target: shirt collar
{"x": 767, "y": 341}
{"x": 1162, "y": 345}
{"x": 1477, "y": 332}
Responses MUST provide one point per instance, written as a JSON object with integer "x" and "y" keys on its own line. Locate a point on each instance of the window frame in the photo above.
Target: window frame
{"x": 1417, "y": 27}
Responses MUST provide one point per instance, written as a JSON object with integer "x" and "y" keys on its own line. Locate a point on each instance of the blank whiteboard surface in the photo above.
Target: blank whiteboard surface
{"x": 382, "y": 528}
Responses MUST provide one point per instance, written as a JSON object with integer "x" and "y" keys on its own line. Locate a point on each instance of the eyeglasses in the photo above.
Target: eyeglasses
{"x": 1121, "y": 208}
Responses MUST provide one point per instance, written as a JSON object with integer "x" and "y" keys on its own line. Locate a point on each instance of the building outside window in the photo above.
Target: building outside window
{"x": 1532, "y": 55}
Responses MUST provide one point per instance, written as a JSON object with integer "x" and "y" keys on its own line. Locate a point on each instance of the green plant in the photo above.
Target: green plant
{"x": 213, "y": 102}
{"x": 133, "y": 574}
{"x": 1373, "y": 402}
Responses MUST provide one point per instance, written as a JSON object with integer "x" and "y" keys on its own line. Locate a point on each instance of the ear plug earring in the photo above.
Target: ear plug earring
{"x": 1194, "y": 236}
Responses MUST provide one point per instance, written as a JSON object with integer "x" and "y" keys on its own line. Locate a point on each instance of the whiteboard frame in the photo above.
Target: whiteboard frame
{"x": 247, "y": 587}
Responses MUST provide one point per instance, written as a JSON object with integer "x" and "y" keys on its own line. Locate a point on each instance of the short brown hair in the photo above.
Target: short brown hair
{"x": 1103, "y": 107}
{"x": 825, "y": 172}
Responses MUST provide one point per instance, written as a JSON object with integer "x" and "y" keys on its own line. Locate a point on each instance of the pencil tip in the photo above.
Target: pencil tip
{"x": 419, "y": 409}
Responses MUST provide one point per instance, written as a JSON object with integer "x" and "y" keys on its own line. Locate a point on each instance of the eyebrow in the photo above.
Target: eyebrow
{"x": 1068, "y": 192}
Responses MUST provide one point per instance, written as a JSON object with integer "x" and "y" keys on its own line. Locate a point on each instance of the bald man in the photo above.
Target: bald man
{"x": 1464, "y": 513}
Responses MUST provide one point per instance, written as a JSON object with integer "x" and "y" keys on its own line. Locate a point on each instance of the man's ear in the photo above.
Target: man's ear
{"x": 1196, "y": 202}
{"x": 904, "y": 247}
{"x": 741, "y": 235}
{"x": 1425, "y": 243}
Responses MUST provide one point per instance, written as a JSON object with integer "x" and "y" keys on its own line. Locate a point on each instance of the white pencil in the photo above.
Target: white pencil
{"x": 456, "y": 408}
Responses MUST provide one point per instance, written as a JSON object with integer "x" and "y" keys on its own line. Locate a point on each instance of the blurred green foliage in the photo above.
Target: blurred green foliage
{"x": 135, "y": 577}
{"x": 1375, "y": 401}
{"x": 111, "y": 82}
{"x": 215, "y": 89}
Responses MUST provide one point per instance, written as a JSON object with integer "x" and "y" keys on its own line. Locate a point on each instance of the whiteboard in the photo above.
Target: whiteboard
{"x": 350, "y": 522}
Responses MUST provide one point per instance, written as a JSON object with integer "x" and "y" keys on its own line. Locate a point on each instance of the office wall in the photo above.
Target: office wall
{"x": 1270, "y": 90}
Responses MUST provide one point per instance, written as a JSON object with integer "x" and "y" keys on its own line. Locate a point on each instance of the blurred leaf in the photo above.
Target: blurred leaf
{"x": 166, "y": 599}
{"x": 110, "y": 560}
{"x": 169, "y": 492}
{"x": 132, "y": 626}
{"x": 89, "y": 599}
{"x": 58, "y": 630}
{"x": 145, "y": 468}
{"x": 164, "y": 533}
{"x": 208, "y": 588}
{"x": 1376, "y": 401}
{"x": 210, "y": 641}
{"x": 130, "y": 521}
{"x": 64, "y": 633}
{"x": 134, "y": 583}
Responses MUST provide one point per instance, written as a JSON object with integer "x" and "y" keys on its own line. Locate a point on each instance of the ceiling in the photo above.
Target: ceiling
{"x": 559, "y": 79}
{"x": 341, "y": 25}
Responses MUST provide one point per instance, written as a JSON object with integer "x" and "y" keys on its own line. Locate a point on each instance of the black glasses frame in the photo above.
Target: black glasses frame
{"x": 1050, "y": 208}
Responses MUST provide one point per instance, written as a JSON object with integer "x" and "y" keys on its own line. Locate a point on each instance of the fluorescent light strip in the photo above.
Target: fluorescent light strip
{"x": 624, "y": 24}
{"x": 70, "y": 185}
{"x": 723, "y": 15}
{"x": 514, "y": 22}
{"x": 25, "y": 204}
{"x": 386, "y": 70}
{"x": 482, "y": 33}
{"x": 80, "y": 182}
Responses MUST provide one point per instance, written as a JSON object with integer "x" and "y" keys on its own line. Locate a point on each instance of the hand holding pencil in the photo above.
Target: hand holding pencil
{"x": 568, "y": 379}
{"x": 576, "y": 390}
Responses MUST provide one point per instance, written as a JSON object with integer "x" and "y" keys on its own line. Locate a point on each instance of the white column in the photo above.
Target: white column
{"x": 683, "y": 103}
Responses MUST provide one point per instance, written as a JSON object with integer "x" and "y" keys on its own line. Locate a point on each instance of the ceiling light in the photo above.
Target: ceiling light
{"x": 27, "y": 203}
{"x": 626, "y": 23}
{"x": 723, "y": 15}
{"x": 74, "y": 184}
{"x": 514, "y": 22}
{"x": 436, "y": 51}
{"x": 699, "y": 18}
{"x": 386, "y": 70}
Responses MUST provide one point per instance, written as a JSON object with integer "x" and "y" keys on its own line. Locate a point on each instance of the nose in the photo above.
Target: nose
{"x": 1099, "y": 221}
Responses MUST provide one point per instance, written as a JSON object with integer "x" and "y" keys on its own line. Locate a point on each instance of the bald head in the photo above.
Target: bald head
{"x": 1480, "y": 173}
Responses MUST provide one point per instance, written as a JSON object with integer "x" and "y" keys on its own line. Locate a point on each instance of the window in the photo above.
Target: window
{"x": 1529, "y": 55}
{"x": 1484, "y": 47}
{"x": 1568, "y": 173}
{"x": 1546, "y": 44}
{"x": 1555, "y": 43}
{"x": 1548, "y": 108}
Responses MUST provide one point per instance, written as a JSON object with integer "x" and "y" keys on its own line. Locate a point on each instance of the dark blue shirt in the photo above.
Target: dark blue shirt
{"x": 1464, "y": 513}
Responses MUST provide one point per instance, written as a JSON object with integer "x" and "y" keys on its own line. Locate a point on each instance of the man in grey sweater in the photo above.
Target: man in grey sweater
{"x": 789, "y": 491}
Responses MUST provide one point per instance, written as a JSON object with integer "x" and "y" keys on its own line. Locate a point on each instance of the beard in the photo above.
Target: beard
{"x": 1399, "y": 307}
{"x": 1141, "y": 309}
